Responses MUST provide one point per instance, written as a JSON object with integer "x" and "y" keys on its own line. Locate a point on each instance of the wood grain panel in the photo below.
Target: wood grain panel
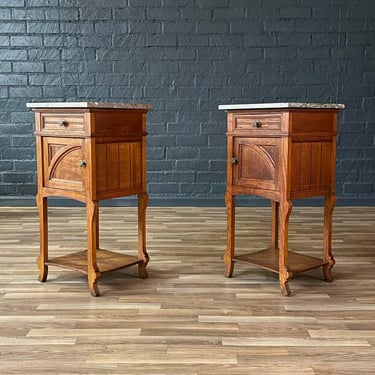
{"x": 113, "y": 166}
{"x": 62, "y": 157}
{"x": 125, "y": 123}
{"x": 257, "y": 160}
{"x": 62, "y": 122}
{"x": 311, "y": 166}
{"x": 305, "y": 167}
{"x": 313, "y": 121}
{"x": 257, "y": 122}
{"x": 136, "y": 175}
{"x": 101, "y": 167}
{"x": 316, "y": 164}
{"x": 295, "y": 166}
{"x": 326, "y": 170}
{"x": 118, "y": 166}
{"x": 125, "y": 171}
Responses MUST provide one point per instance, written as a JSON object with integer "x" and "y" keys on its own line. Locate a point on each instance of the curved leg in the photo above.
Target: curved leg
{"x": 93, "y": 273}
{"x": 275, "y": 225}
{"x": 43, "y": 233}
{"x": 329, "y": 261}
{"x": 230, "y": 202}
{"x": 93, "y": 284}
{"x": 142, "y": 252}
{"x": 284, "y": 273}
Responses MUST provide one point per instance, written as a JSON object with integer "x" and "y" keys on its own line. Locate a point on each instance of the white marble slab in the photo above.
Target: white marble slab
{"x": 89, "y": 105}
{"x": 282, "y": 106}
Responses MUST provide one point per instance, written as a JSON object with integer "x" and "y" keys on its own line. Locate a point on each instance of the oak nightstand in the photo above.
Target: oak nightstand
{"x": 90, "y": 151}
{"x": 282, "y": 152}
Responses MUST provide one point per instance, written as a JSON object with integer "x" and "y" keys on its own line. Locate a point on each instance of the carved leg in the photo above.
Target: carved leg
{"x": 142, "y": 252}
{"x": 230, "y": 202}
{"x": 93, "y": 284}
{"x": 329, "y": 205}
{"x": 284, "y": 273}
{"x": 93, "y": 273}
{"x": 43, "y": 235}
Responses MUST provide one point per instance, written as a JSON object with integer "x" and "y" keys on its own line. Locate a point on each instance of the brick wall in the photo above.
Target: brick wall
{"x": 185, "y": 57}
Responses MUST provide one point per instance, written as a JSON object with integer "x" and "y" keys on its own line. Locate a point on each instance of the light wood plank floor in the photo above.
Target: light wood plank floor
{"x": 187, "y": 318}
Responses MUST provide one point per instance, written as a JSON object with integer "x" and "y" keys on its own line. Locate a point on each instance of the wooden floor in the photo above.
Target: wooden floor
{"x": 187, "y": 318}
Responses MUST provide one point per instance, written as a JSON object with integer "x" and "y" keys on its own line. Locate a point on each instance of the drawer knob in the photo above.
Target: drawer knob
{"x": 82, "y": 163}
{"x": 63, "y": 123}
{"x": 234, "y": 161}
{"x": 257, "y": 124}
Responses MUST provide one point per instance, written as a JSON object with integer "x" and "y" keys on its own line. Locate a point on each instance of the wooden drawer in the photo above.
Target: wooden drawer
{"x": 256, "y": 122}
{"x": 62, "y": 122}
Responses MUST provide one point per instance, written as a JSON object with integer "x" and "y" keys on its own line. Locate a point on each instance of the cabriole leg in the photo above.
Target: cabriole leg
{"x": 142, "y": 252}
{"x": 43, "y": 235}
{"x": 284, "y": 273}
{"x": 329, "y": 205}
{"x": 93, "y": 273}
{"x": 230, "y": 202}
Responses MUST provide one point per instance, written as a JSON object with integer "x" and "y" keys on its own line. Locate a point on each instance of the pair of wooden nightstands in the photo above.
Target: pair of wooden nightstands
{"x": 91, "y": 151}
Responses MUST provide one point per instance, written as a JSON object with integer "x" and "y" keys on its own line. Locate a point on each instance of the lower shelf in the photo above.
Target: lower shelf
{"x": 106, "y": 260}
{"x": 269, "y": 259}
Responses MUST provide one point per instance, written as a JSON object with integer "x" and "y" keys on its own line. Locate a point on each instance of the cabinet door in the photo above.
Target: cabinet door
{"x": 255, "y": 162}
{"x": 64, "y": 164}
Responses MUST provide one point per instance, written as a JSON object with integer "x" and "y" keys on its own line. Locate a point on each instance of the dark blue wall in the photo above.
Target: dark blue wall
{"x": 185, "y": 57}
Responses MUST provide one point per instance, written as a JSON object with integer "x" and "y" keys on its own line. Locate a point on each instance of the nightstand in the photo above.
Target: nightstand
{"x": 91, "y": 151}
{"x": 281, "y": 152}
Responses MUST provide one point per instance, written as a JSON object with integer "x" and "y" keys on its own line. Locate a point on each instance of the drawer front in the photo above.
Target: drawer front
{"x": 256, "y": 122}
{"x": 63, "y": 122}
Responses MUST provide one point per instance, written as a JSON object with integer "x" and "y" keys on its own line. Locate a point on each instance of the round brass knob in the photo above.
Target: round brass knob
{"x": 257, "y": 124}
{"x": 82, "y": 163}
{"x": 63, "y": 123}
{"x": 234, "y": 161}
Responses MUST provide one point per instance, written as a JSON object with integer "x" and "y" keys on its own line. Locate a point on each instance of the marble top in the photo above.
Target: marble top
{"x": 88, "y": 105}
{"x": 282, "y": 105}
